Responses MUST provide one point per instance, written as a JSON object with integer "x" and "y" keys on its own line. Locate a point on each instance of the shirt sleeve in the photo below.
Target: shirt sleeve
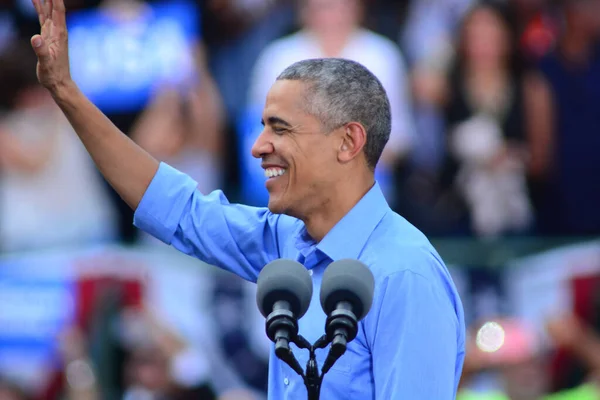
{"x": 237, "y": 238}
{"x": 415, "y": 340}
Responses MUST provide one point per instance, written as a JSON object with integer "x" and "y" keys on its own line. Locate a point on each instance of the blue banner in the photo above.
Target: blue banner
{"x": 118, "y": 60}
{"x": 34, "y": 309}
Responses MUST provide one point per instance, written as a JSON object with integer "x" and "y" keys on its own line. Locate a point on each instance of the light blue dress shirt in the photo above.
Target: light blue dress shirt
{"x": 410, "y": 346}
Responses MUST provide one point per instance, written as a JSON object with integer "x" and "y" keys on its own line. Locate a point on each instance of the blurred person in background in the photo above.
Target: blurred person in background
{"x": 522, "y": 361}
{"x": 516, "y": 354}
{"x": 427, "y": 39}
{"x": 331, "y": 28}
{"x": 577, "y": 336}
{"x": 184, "y": 127}
{"x": 482, "y": 185}
{"x": 50, "y": 194}
{"x": 126, "y": 11}
{"x": 563, "y": 125}
{"x": 235, "y": 32}
{"x": 158, "y": 364}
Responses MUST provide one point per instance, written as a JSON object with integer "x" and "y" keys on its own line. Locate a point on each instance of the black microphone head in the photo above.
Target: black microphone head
{"x": 351, "y": 281}
{"x": 286, "y": 280}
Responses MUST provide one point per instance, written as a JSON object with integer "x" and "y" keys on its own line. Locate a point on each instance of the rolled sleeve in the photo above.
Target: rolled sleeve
{"x": 163, "y": 203}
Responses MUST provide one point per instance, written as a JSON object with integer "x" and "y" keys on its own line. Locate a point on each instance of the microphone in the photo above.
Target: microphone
{"x": 283, "y": 295}
{"x": 346, "y": 298}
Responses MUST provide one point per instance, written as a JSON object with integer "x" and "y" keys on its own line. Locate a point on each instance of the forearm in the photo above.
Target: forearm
{"x": 127, "y": 167}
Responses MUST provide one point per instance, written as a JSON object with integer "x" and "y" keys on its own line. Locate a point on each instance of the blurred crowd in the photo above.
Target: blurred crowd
{"x": 495, "y": 133}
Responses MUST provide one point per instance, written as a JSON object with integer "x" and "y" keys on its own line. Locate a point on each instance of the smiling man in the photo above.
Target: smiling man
{"x": 326, "y": 124}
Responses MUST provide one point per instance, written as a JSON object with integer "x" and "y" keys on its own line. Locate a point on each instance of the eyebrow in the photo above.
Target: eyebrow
{"x": 276, "y": 121}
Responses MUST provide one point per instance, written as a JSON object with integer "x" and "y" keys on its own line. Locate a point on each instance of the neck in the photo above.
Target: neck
{"x": 346, "y": 194}
{"x": 332, "y": 42}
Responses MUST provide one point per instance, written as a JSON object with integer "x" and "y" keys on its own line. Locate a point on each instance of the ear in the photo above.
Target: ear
{"x": 354, "y": 138}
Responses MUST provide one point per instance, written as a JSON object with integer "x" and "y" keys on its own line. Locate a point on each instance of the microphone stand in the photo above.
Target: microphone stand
{"x": 312, "y": 379}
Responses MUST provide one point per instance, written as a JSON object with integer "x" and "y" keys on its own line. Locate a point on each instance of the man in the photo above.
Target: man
{"x": 326, "y": 123}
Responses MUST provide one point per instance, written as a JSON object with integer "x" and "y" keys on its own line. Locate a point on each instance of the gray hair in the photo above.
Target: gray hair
{"x": 342, "y": 91}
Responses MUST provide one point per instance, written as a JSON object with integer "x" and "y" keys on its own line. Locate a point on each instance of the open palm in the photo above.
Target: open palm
{"x": 51, "y": 45}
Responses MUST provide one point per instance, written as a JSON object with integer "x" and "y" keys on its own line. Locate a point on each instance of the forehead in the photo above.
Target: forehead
{"x": 286, "y": 99}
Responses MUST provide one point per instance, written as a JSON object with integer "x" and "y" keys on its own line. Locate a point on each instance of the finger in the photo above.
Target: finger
{"x": 47, "y": 8}
{"x": 40, "y": 11}
{"x": 41, "y": 48}
{"x": 58, "y": 12}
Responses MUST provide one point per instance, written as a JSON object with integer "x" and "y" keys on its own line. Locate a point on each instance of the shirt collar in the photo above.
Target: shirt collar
{"x": 349, "y": 236}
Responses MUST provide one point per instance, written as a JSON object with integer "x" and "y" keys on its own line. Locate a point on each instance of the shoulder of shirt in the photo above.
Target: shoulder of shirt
{"x": 378, "y": 42}
{"x": 398, "y": 246}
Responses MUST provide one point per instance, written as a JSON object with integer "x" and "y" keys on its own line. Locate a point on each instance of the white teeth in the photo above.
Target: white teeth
{"x": 273, "y": 172}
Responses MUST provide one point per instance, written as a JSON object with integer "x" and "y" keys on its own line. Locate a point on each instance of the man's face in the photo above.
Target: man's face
{"x": 299, "y": 158}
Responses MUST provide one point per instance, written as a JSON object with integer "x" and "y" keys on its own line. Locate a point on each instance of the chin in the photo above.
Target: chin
{"x": 275, "y": 205}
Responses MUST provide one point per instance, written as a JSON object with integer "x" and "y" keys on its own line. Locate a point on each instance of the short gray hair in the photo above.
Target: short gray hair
{"x": 342, "y": 91}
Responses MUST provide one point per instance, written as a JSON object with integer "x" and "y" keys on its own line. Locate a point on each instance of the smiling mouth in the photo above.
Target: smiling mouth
{"x": 274, "y": 172}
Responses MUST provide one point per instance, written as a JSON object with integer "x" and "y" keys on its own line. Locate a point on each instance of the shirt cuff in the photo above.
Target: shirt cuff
{"x": 163, "y": 203}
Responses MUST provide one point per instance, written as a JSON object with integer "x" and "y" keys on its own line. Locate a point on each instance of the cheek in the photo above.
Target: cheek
{"x": 318, "y": 169}
{"x": 312, "y": 159}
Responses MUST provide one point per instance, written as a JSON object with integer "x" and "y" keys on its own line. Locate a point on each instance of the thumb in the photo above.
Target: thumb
{"x": 40, "y": 47}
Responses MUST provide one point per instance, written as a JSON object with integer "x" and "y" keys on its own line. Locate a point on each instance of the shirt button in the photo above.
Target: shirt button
{"x": 286, "y": 381}
{"x": 310, "y": 272}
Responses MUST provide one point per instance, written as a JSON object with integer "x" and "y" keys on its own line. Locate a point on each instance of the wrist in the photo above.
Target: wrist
{"x": 62, "y": 92}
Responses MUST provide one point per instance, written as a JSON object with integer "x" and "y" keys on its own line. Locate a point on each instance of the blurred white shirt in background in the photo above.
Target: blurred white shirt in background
{"x": 64, "y": 203}
{"x": 377, "y": 53}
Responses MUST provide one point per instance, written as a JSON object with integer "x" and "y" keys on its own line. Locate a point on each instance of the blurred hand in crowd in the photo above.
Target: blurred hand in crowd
{"x": 573, "y": 334}
{"x": 565, "y": 330}
{"x": 72, "y": 344}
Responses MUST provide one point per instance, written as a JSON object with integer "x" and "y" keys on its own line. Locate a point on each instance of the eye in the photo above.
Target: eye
{"x": 279, "y": 130}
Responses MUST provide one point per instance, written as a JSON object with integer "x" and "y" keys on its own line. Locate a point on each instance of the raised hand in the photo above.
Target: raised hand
{"x": 51, "y": 45}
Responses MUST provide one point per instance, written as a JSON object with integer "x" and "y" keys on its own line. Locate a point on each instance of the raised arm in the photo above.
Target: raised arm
{"x": 237, "y": 238}
{"x": 126, "y": 166}
{"x": 167, "y": 202}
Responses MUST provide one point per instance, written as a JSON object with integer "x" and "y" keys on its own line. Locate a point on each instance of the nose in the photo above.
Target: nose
{"x": 262, "y": 146}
